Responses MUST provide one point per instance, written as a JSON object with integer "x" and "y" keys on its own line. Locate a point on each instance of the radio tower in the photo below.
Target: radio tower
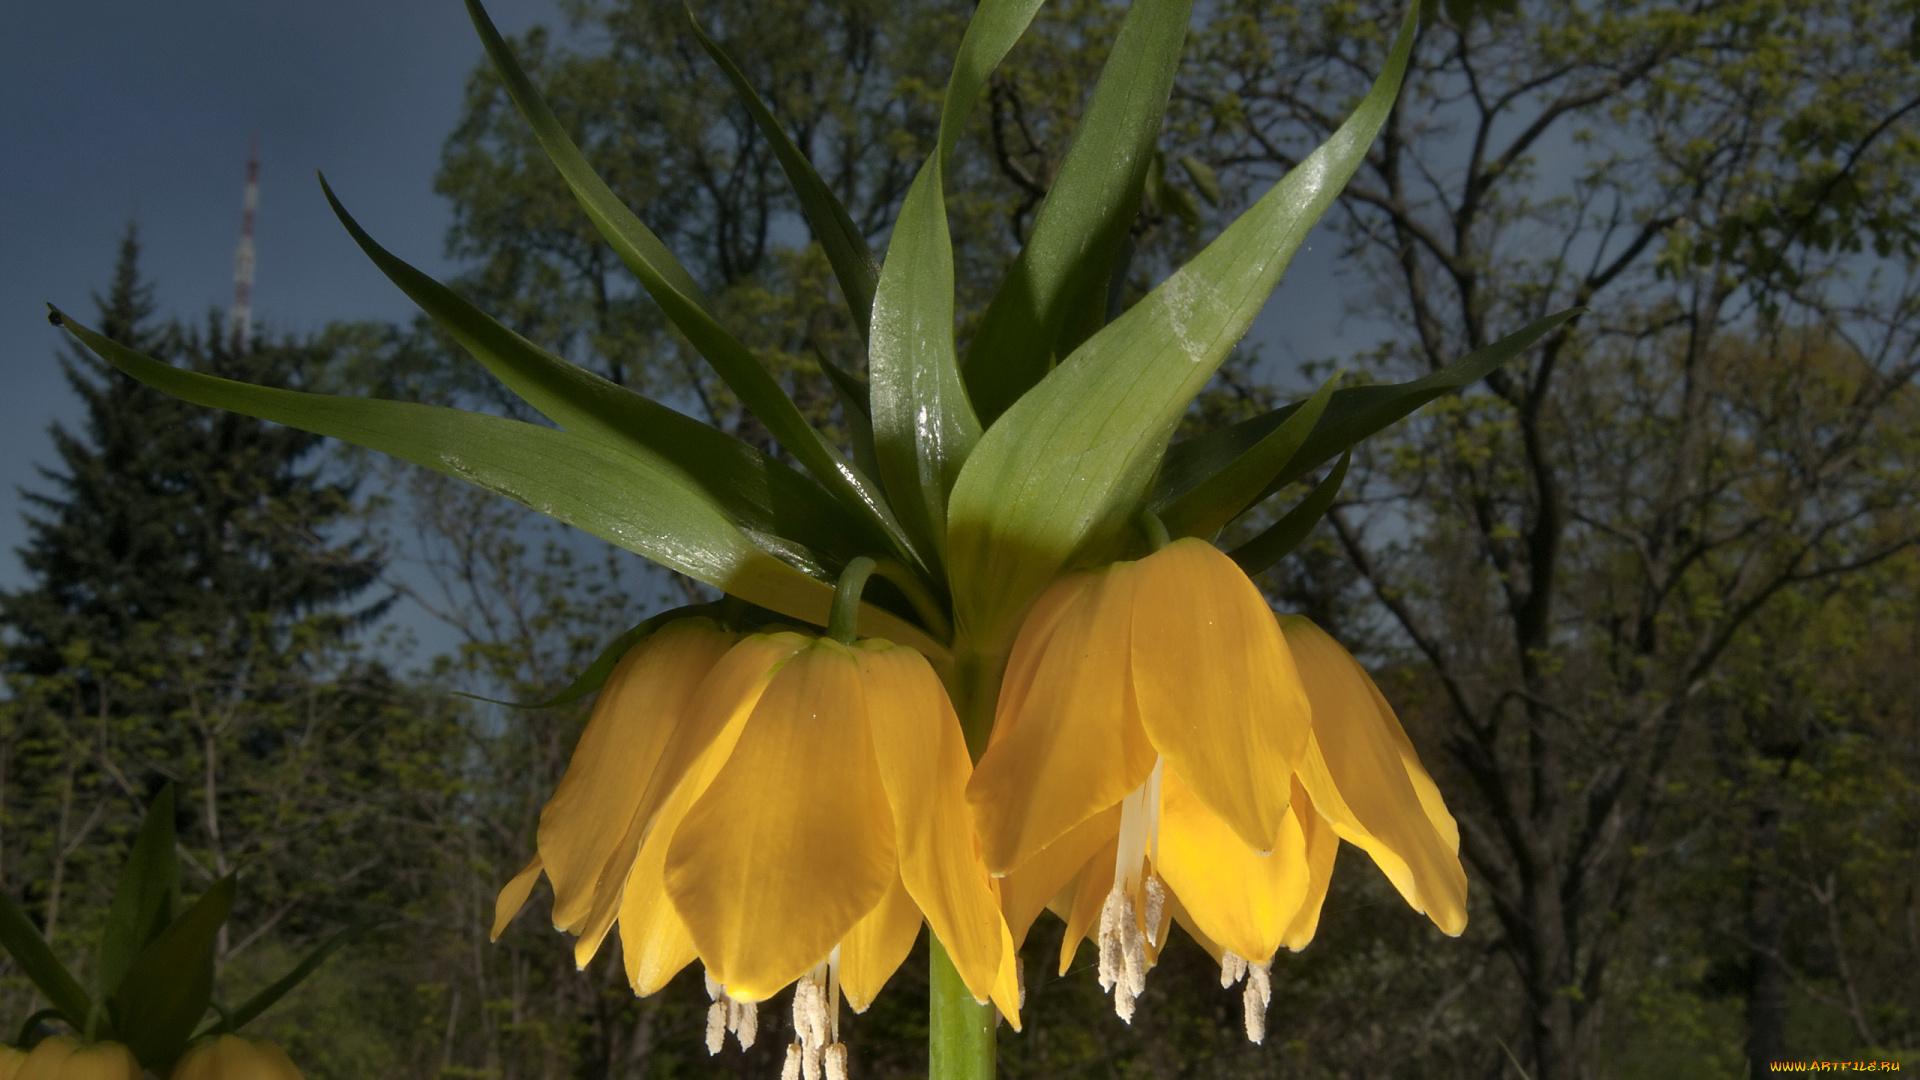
{"x": 240, "y": 317}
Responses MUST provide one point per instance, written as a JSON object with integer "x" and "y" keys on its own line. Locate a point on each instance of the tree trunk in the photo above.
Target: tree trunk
{"x": 1766, "y": 938}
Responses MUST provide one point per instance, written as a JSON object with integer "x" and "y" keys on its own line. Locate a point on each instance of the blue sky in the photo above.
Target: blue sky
{"x": 118, "y": 110}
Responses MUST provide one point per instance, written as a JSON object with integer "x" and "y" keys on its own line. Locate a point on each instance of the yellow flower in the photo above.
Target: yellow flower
{"x": 1176, "y": 658}
{"x": 792, "y": 819}
{"x": 1128, "y": 677}
{"x": 11, "y": 1058}
{"x": 60, "y": 1058}
{"x": 230, "y": 1057}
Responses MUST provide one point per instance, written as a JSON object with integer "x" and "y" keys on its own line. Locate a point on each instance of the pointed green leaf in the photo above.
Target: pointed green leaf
{"x": 167, "y": 987}
{"x": 143, "y": 904}
{"x": 1204, "y": 182}
{"x": 845, "y": 246}
{"x": 1057, "y": 479}
{"x": 851, "y": 390}
{"x": 1354, "y": 414}
{"x": 37, "y": 962}
{"x": 686, "y": 305}
{"x": 1220, "y": 498}
{"x": 641, "y": 503}
{"x": 1284, "y": 535}
{"x": 1055, "y": 296}
{"x": 923, "y": 422}
{"x": 247, "y": 1010}
{"x": 764, "y": 497}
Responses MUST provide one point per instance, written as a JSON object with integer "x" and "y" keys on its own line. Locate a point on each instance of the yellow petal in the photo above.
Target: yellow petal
{"x": 1036, "y": 632}
{"x": 654, "y": 941}
{"x": 793, "y": 842}
{"x": 1217, "y": 689}
{"x": 514, "y": 896}
{"x": 1240, "y": 899}
{"x": 1210, "y": 946}
{"x": 10, "y": 1060}
{"x": 1076, "y": 746}
{"x": 634, "y": 716}
{"x": 923, "y": 762}
{"x": 1322, "y": 845}
{"x": 48, "y": 1058}
{"x": 1090, "y": 891}
{"x": 1032, "y": 887}
{"x": 1006, "y": 985}
{"x": 698, "y": 747}
{"x": 229, "y": 1057}
{"x": 1423, "y": 785}
{"x": 877, "y": 945}
{"x": 1363, "y": 763}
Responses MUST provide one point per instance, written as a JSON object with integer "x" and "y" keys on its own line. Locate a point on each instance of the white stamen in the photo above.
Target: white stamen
{"x": 716, "y": 1027}
{"x": 1123, "y": 952}
{"x": 714, "y": 989}
{"x": 1232, "y": 969}
{"x": 1156, "y": 901}
{"x": 1020, "y": 980}
{"x": 833, "y": 992}
{"x": 1258, "y": 995}
{"x": 811, "y": 1023}
{"x": 790, "y": 1070}
{"x": 810, "y": 1064}
{"x": 837, "y": 1061}
{"x": 743, "y": 1019}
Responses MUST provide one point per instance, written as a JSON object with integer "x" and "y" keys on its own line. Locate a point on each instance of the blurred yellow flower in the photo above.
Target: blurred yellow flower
{"x": 230, "y": 1057}
{"x": 11, "y": 1058}
{"x": 61, "y": 1058}
{"x": 799, "y": 809}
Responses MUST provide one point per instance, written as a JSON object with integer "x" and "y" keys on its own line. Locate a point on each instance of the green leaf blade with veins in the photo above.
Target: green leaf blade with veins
{"x": 924, "y": 424}
{"x": 687, "y": 306}
{"x": 1061, "y": 475}
{"x": 854, "y": 266}
{"x": 766, "y": 498}
{"x": 643, "y": 504}
{"x": 1055, "y": 296}
{"x": 143, "y": 903}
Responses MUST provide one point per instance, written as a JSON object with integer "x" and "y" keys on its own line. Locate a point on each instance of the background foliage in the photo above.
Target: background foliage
{"x": 1646, "y": 600}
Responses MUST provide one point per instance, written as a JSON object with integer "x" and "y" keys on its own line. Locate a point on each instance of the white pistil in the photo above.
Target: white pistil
{"x": 1256, "y": 998}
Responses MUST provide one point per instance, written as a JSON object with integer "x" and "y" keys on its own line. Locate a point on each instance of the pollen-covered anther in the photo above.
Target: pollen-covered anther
{"x": 743, "y": 1019}
{"x": 716, "y": 1027}
{"x": 1257, "y": 996}
{"x": 811, "y": 1023}
{"x": 1232, "y": 969}
{"x": 1123, "y": 952}
{"x": 1156, "y": 904}
{"x": 790, "y": 1069}
{"x": 836, "y": 1061}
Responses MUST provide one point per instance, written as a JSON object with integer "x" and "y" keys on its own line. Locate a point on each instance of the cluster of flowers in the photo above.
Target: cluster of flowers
{"x": 788, "y": 809}
{"x": 227, "y": 1057}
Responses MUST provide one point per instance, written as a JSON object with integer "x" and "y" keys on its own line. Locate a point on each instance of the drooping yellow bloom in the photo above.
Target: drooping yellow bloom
{"x": 797, "y": 814}
{"x": 1173, "y": 657}
{"x": 1162, "y": 675}
{"x": 230, "y": 1057}
{"x": 11, "y": 1058}
{"x": 61, "y": 1058}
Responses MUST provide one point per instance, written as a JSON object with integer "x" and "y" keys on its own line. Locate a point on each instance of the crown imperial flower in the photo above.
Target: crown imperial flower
{"x": 230, "y": 1057}
{"x": 58, "y": 1057}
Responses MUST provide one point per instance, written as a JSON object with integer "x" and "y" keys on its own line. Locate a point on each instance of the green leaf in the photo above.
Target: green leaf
{"x": 143, "y": 904}
{"x": 645, "y": 505}
{"x": 1207, "y": 184}
{"x": 1055, "y": 296}
{"x": 1284, "y": 535}
{"x": 1354, "y": 414}
{"x": 686, "y": 305}
{"x": 845, "y": 246}
{"x": 37, "y": 962}
{"x": 923, "y": 422}
{"x": 1223, "y": 496}
{"x": 852, "y": 392}
{"x": 768, "y": 500}
{"x": 168, "y": 985}
{"x": 1057, "y": 479}
{"x": 237, "y": 1017}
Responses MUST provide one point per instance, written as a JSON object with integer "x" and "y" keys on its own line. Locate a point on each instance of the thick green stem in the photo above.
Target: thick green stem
{"x": 959, "y": 1029}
